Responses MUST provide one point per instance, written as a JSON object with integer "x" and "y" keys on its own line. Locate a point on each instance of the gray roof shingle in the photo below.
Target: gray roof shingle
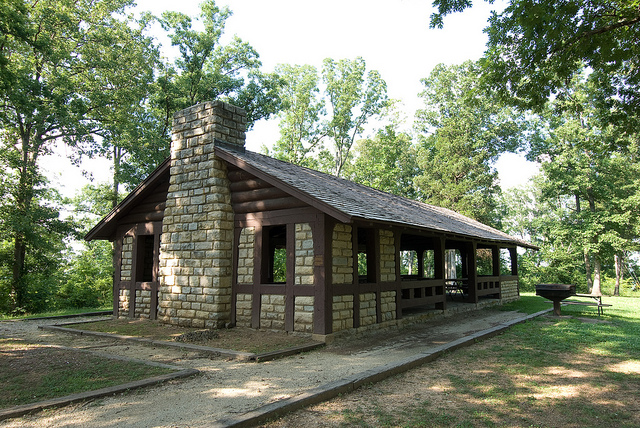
{"x": 361, "y": 202}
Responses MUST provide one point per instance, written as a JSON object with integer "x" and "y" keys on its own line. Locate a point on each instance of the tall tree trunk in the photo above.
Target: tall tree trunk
{"x": 597, "y": 263}
{"x": 597, "y": 268}
{"x": 19, "y": 251}
{"x": 587, "y": 263}
{"x": 117, "y": 157}
{"x": 617, "y": 259}
{"x": 587, "y": 269}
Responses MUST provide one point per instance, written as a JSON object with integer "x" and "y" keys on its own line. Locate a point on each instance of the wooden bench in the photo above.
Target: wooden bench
{"x": 597, "y": 302}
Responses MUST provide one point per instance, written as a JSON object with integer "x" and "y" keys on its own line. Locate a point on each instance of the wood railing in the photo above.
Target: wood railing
{"x": 487, "y": 285}
{"x": 421, "y": 292}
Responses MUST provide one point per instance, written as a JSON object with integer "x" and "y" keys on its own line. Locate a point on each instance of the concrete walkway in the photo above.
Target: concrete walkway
{"x": 233, "y": 393}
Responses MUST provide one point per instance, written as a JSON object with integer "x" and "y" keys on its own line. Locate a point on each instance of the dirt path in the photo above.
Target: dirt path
{"x": 226, "y": 388}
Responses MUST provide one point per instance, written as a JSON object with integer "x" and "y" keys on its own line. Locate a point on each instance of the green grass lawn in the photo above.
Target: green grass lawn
{"x": 56, "y": 313}
{"x": 33, "y": 372}
{"x": 576, "y": 371}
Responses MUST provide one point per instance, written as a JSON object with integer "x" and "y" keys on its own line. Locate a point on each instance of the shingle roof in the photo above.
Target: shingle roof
{"x": 356, "y": 201}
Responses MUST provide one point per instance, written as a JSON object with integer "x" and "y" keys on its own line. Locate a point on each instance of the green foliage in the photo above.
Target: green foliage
{"x": 386, "y": 162}
{"x": 87, "y": 279}
{"x": 353, "y": 100}
{"x": 280, "y": 265}
{"x": 461, "y": 133}
{"x": 300, "y": 130}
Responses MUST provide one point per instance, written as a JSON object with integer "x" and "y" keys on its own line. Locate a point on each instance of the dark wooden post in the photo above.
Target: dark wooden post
{"x": 439, "y": 267}
{"x": 495, "y": 257}
{"x": 322, "y": 280}
{"x": 289, "y": 300}
{"x": 514, "y": 260}
{"x": 471, "y": 271}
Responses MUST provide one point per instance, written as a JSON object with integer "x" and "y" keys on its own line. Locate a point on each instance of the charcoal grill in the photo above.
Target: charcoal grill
{"x": 556, "y": 293}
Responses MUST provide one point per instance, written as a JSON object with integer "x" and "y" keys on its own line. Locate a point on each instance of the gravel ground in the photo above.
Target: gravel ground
{"x": 227, "y": 387}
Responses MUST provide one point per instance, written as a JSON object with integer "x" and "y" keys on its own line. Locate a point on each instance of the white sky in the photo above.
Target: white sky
{"x": 392, "y": 36}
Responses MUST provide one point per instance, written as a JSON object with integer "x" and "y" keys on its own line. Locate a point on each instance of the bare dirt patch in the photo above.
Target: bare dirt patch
{"x": 238, "y": 338}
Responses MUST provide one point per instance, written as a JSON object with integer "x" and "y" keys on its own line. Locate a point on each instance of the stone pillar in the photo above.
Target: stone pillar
{"x": 197, "y": 231}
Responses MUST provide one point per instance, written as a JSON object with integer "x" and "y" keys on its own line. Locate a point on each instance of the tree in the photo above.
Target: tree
{"x": 207, "y": 70}
{"x": 462, "y": 131}
{"x": 536, "y": 46}
{"x": 586, "y": 162}
{"x": 353, "y": 100}
{"x": 301, "y": 132}
{"x": 55, "y": 63}
{"x": 386, "y": 162}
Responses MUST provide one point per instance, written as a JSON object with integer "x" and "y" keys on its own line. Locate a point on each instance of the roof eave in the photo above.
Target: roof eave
{"x": 296, "y": 193}
{"x": 101, "y": 230}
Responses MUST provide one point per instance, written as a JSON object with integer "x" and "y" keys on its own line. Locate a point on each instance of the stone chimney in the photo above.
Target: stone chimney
{"x": 197, "y": 231}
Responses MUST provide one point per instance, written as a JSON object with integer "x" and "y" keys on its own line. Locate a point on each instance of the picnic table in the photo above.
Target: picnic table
{"x": 456, "y": 286}
{"x": 597, "y": 301}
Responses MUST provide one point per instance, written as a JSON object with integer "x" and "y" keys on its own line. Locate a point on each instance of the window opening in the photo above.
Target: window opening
{"x": 276, "y": 254}
{"x": 484, "y": 261}
{"x": 366, "y": 256}
{"x": 409, "y": 262}
{"x": 429, "y": 263}
{"x": 453, "y": 264}
{"x": 144, "y": 271}
{"x": 505, "y": 262}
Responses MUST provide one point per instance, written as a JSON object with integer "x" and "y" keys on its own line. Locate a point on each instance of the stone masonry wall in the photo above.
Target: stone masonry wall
{"x": 388, "y": 305}
{"x": 143, "y": 303}
{"x": 367, "y": 309}
{"x": 123, "y": 303}
{"x": 243, "y": 310}
{"x": 342, "y": 254}
{"x": 387, "y": 256}
{"x": 304, "y": 255}
{"x": 509, "y": 290}
{"x": 272, "y": 311}
{"x": 245, "y": 255}
{"x": 197, "y": 230}
{"x": 303, "y": 316}
{"x": 127, "y": 258}
{"x": 342, "y": 312}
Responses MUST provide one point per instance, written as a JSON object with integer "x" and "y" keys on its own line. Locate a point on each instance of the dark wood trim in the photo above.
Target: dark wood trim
{"x": 495, "y": 258}
{"x": 298, "y": 290}
{"x": 102, "y": 229}
{"x": 148, "y": 207}
{"x": 471, "y": 271}
{"x": 117, "y": 266}
{"x": 291, "y": 190}
{"x": 439, "y": 265}
{"x": 271, "y": 218}
{"x": 238, "y": 197}
{"x": 322, "y": 246}
{"x": 289, "y": 301}
{"x": 288, "y": 202}
{"x": 513, "y": 251}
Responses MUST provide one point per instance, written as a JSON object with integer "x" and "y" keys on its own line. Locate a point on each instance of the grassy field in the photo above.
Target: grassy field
{"x": 57, "y": 313}
{"x": 579, "y": 370}
{"x": 33, "y": 372}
